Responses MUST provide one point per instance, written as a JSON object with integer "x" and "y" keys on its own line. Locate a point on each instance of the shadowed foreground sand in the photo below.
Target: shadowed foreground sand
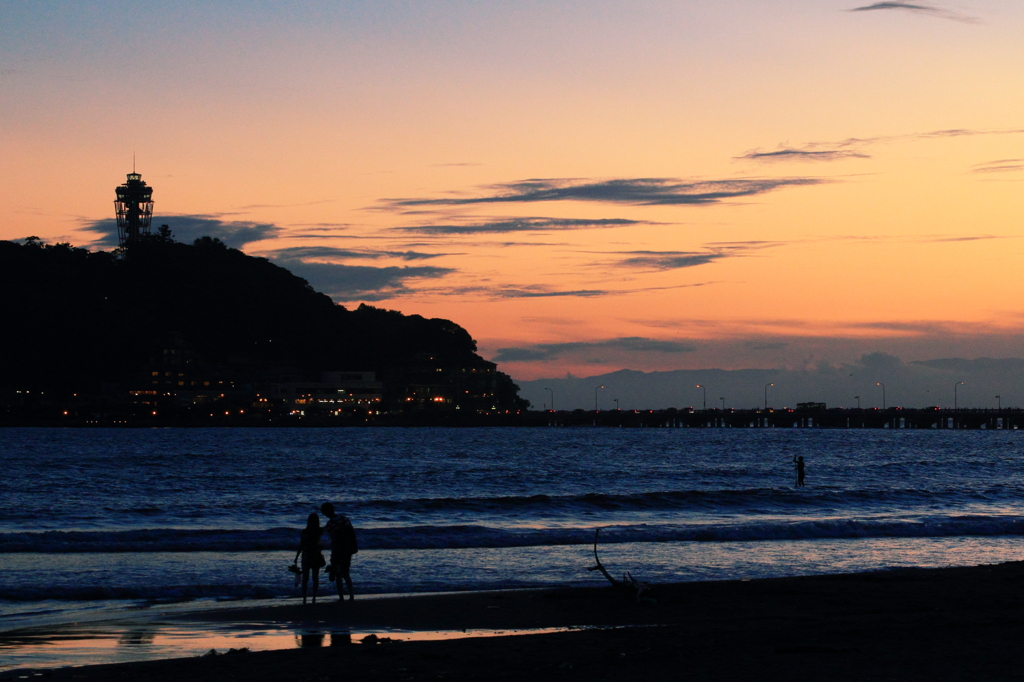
{"x": 944, "y": 624}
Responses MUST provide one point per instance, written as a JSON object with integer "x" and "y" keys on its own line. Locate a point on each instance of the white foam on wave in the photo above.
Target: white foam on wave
{"x": 481, "y": 536}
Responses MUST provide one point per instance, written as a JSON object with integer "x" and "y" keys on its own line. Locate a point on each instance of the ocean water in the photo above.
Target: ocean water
{"x": 97, "y": 521}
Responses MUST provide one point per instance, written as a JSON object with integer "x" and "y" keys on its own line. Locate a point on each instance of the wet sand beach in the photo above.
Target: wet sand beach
{"x": 910, "y": 624}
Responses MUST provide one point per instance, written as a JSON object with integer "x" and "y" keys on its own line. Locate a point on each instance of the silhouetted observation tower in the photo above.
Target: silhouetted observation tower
{"x": 134, "y": 206}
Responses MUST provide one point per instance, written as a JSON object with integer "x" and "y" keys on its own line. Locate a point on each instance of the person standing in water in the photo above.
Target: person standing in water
{"x": 343, "y": 546}
{"x": 309, "y": 550}
{"x": 799, "y": 461}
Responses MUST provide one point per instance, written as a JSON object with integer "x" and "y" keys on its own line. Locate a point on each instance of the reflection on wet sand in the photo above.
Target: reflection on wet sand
{"x": 309, "y": 640}
{"x": 121, "y": 642}
{"x": 313, "y": 639}
{"x": 136, "y": 638}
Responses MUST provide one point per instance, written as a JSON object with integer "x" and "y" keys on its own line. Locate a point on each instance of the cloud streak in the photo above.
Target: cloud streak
{"x": 345, "y": 283}
{"x": 854, "y": 147}
{"x": 1000, "y": 166}
{"x": 188, "y": 228}
{"x": 543, "y": 352}
{"x": 631, "y": 191}
{"x": 302, "y": 203}
{"x": 805, "y": 154}
{"x": 520, "y": 225}
{"x": 538, "y": 292}
{"x": 330, "y": 252}
{"x": 506, "y": 292}
{"x": 669, "y": 260}
{"x": 917, "y": 8}
{"x": 674, "y": 260}
{"x": 765, "y": 329}
{"x": 974, "y": 238}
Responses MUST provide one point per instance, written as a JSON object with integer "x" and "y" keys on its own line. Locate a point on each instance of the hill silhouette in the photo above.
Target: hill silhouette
{"x": 78, "y": 320}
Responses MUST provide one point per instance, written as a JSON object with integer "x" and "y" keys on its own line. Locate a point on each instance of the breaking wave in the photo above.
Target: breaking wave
{"x": 482, "y": 536}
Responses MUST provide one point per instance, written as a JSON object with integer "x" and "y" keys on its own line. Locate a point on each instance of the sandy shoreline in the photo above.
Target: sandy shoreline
{"x": 913, "y": 624}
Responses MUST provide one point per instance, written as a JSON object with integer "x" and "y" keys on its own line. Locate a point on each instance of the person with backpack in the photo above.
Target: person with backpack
{"x": 343, "y": 545}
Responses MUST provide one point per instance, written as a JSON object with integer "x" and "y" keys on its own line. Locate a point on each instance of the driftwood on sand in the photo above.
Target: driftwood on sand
{"x": 636, "y": 588}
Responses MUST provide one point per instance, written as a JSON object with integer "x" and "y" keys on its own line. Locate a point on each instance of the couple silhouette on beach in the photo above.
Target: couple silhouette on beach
{"x": 343, "y": 545}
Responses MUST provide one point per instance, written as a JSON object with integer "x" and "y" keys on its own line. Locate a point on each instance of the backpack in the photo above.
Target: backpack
{"x": 343, "y": 535}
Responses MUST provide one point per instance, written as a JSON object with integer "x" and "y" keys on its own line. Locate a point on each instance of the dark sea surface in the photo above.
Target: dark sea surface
{"x": 92, "y": 520}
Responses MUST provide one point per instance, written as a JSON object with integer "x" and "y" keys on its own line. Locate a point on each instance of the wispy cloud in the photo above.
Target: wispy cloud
{"x": 504, "y": 226}
{"x": 345, "y": 283}
{"x": 323, "y": 237}
{"x": 341, "y": 282}
{"x": 911, "y": 239}
{"x": 303, "y": 203}
{"x": 803, "y": 154}
{"x": 539, "y": 292}
{"x": 999, "y": 166}
{"x": 673, "y": 260}
{"x": 917, "y": 8}
{"x": 543, "y": 352}
{"x": 323, "y": 227}
{"x": 970, "y": 238}
{"x": 925, "y": 327}
{"x": 512, "y": 291}
{"x": 333, "y": 253}
{"x": 188, "y": 228}
{"x": 714, "y": 251}
{"x": 766, "y": 329}
{"x": 855, "y": 147}
{"x": 633, "y": 191}
{"x": 669, "y": 260}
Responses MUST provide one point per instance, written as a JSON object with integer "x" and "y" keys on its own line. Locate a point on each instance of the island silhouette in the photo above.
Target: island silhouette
{"x": 164, "y": 327}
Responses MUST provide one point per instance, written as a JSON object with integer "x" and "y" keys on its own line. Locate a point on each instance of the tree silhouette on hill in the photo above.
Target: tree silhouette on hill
{"x": 79, "y": 319}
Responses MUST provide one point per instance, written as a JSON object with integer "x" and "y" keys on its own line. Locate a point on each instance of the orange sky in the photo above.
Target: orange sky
{"x": 583, "y": 186}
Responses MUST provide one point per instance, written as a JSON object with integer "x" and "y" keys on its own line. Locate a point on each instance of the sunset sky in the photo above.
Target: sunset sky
{"x": 584, "y": 186}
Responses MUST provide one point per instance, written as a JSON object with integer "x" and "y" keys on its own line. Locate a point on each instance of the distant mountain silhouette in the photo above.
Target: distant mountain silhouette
{"x": 988, "y": 383}
{"x": 75, "y": 320}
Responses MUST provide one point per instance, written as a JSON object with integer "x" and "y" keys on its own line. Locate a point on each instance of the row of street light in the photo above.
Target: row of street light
{"x": 857, "y": 397}
{"x": 704, "y": 404}
{"x": 552, "y": 391}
